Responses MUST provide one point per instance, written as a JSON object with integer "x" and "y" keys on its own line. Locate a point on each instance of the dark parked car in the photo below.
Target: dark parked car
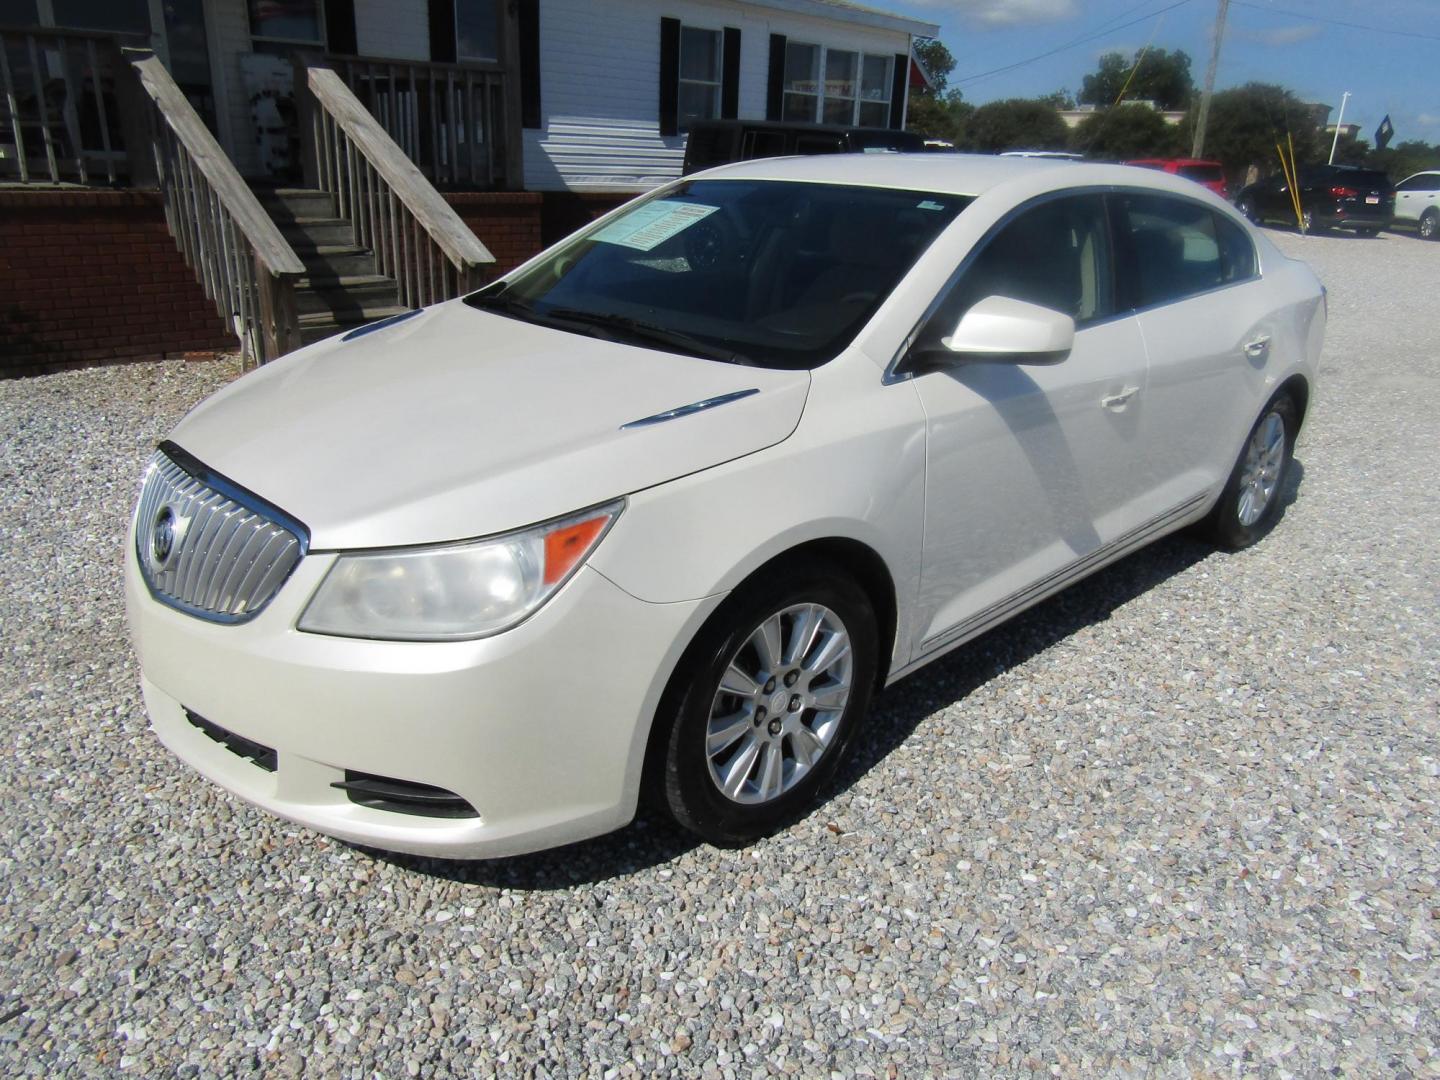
{"x": 718, "y": 142}
{"x": 1331, "y": 197}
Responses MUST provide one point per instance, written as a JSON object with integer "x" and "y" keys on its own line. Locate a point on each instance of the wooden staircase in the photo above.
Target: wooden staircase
{"x": 342, "y": 287}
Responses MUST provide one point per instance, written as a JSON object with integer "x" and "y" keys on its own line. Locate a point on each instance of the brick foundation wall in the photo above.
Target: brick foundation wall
{"x": 507, "y": 222}
{"x": 93, "y": 277}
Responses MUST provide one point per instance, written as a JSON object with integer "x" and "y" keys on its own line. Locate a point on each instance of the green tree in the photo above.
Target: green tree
{"x": 1162, "y": 77}
{"x": 945, "y": 117}
{"x": 1406, "y": 159}
{"x": 1246, "y": 122}
{"x": 938, "y": 62}
{"x": 1059, "y": 99}
{"x": 1017, "y": 124}
{"x": 1124, "y": 132}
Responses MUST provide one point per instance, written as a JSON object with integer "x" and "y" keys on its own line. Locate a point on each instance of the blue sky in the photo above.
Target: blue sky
{"x": 1279, "y": 41}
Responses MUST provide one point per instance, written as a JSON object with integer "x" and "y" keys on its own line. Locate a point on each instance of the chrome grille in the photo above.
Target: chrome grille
{"x": 207, "y": 553}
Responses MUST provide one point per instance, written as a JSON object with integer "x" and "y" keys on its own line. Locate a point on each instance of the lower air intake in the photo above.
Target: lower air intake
{"x": 403, "y": 796}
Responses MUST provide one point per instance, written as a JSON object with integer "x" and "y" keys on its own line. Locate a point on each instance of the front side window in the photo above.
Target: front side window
{"x": 699, "y": 75}
{"x": 1056, "y": 255}
{"x": 771, "y": 273}
{"x": 1177, "y": 248}
{"x": 802, "y": 82}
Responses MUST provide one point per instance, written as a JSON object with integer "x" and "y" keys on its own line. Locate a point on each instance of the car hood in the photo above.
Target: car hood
{"x": 461, "y": 423}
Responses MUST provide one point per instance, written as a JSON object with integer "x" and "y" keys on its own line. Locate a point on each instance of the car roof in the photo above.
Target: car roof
{"x": 950, "y": 174}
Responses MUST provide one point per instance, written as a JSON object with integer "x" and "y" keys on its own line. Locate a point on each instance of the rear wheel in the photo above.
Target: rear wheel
{"x": 1307, "y": 221}
{"x": 1250, "y": 504}
{"x": 773, "y": 690}
{"x": 1430, "y": 224}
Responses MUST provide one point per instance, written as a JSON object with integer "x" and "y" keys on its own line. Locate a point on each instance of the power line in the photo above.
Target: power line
{"x": 1071, "y": 44}
{"x": 1334, "y": 22}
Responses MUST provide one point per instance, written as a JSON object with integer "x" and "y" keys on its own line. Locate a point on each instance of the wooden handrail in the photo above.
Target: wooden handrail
{"x": 434, "y": 215}
{"x": 238, "y": 254}
{"x": 234, "y": 194}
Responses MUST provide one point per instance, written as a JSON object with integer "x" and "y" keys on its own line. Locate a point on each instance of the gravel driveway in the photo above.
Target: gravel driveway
{"x": 1179, "y": 820}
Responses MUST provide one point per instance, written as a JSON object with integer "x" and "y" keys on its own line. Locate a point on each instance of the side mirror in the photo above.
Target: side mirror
{"x": 1003, "y": 329}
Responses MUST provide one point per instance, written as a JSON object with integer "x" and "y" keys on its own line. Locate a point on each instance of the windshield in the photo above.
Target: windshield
{"x": 770, "y": 273}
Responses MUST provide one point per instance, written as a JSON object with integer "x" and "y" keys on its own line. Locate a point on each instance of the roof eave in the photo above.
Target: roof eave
{"x": 879, "y": 20}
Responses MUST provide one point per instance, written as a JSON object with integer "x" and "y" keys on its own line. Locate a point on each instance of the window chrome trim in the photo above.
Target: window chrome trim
{"x": 894, "y": 375}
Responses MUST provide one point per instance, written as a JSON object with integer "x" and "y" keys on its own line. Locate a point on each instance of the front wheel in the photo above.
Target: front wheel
{"x": 771, "y": 693}
{"x": 1250, "y": 504}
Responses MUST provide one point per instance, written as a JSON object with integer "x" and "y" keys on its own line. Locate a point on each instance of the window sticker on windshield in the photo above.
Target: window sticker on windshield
{"x": 654, "y": 223}
{"x": 930, "y": 204}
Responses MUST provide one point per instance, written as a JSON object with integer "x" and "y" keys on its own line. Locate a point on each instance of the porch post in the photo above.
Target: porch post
{"x": 514, "y": 139}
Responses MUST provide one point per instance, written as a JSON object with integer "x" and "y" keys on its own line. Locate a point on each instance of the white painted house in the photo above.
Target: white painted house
{"x": 581, "y": 95}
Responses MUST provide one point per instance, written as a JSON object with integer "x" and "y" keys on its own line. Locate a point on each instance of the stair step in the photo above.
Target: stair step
{"x": 317, "y": 326}
{"x": 317, "y": 232}
{"x": 336, "y": 260}
{"x": 341, "y": 296}
{"x": 287, "y": 204}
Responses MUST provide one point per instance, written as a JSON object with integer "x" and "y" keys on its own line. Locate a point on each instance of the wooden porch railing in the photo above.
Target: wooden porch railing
{"x": 233, "y": 246}
{"x": 416, "y": 236}
{"x": 449, "y": 119}
{"x": 65, "y": 115}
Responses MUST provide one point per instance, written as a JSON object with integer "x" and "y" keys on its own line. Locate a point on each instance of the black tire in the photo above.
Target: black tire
{"x": 1430, "y": 225}
{"x": 1247, "y": 207}
{"x": 1308, "y": 224}
{"x": 686, "y": 784}
{"x": 1227, "y": 526}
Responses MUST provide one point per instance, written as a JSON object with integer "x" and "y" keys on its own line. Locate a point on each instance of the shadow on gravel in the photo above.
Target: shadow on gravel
{"x": 652, "y": 840}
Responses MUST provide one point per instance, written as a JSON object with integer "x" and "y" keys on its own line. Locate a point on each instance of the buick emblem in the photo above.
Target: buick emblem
{"x": 162, "y": 537}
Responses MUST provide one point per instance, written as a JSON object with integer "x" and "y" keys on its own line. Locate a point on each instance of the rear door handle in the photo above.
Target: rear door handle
{"x": 1116, "y": 402}
{"x": 1258, "y": 348}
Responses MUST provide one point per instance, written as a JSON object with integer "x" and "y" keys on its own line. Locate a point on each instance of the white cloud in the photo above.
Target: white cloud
{"x": 1007, "y": 12}
{"x": 1426, "y": 119}
{"x": 1280, "y": 35}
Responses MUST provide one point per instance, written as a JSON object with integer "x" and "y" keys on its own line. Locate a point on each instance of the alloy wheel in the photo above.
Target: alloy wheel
{"x": 1264, "y": 461}
{"x": 779, "y": 704}
{"x": 1427, "y": 226}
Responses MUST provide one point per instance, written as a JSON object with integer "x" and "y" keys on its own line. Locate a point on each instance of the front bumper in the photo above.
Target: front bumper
{"x": 541, "y": 729}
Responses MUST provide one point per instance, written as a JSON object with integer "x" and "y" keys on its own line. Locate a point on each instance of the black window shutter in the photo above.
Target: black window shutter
{"x": 775, "y": 91}
{"x": 730, "y": 76}
{"x": 442, "y": 31}
{"x": 669, "y": 76}
{"x": 529, "y": 27}
{"x": 897, "y": 90}
{"x": 340, "y": 28}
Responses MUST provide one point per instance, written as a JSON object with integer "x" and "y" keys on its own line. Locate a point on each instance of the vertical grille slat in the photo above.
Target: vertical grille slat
{"x": 228, "y": 558}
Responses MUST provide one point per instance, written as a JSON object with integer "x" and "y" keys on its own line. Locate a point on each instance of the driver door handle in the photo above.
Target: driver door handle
{"x": 1257, "y": 348}
{"x": 1116, "y": 402}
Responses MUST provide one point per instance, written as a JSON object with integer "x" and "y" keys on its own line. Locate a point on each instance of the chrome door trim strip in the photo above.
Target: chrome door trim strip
{"x": 1002, "y": 609}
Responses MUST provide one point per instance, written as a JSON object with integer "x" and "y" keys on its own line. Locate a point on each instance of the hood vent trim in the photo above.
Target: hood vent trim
{"x": 688, "y": 410}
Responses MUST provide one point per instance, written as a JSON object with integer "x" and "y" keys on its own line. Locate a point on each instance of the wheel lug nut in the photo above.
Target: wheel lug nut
{"x": 794, "y": 702}
{"x": 770, "y": 686}
{"x": 792, "y": 678}
{"x": 775, "y": 727}
{"x": 760, "y": 715}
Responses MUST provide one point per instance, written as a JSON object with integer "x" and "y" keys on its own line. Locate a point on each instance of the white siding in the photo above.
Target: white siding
{"x": 396, "y": 29}
{"x": 228, "y": 27}
{"x": 600, "y": 93}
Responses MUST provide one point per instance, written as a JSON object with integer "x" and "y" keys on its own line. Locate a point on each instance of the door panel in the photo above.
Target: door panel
{"x": 1029, "y": 469}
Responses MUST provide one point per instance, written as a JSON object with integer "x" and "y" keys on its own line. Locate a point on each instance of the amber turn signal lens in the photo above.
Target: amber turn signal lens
{"x": 566, "y": 547}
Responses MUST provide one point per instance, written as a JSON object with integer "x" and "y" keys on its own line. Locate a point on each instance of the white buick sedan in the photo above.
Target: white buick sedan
{"x": 661, "y": 510}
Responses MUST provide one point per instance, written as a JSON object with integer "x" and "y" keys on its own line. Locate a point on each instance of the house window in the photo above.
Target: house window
{"x": 122, "y": 16}
{"x": 477, "y": 30}
{"x": 802, "y": 82}
{"x": 855, "y": 90}
{"x": 839, "y": 107}
{"x": 875, "y": 83}
{"x": 286, "y": 21}
{"x": 699, "y": 75}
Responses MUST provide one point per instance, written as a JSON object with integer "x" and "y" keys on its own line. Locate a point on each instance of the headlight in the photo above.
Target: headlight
{"x": 455, "y": 592}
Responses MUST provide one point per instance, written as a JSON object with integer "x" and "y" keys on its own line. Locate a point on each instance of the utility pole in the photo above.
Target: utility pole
{"x": 1338, "y": 125}
{"x": 1197, "y": 148}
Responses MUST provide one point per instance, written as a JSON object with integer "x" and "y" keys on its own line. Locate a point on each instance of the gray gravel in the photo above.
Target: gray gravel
{"x": 1181, "y": 820}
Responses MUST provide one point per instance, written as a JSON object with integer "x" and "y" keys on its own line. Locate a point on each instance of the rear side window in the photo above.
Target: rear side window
{"x": 1422, "y": 182}
{"x": 1174, "y": 248}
